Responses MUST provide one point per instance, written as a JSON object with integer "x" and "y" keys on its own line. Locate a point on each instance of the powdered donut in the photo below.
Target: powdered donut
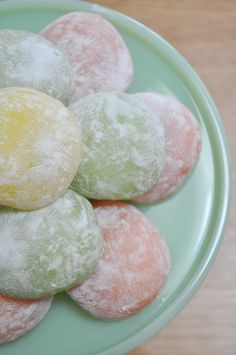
{"x": 98, "y": 54}
{"x": 19, "y": 317}
{"x": 39, "y": 138}
{"x": 28, "y": 60}
{"x": 133, "y": 268}
{"x": 123, "y": 147}
{"x": 48, "y": 250}
{"x": 183, "y": 144}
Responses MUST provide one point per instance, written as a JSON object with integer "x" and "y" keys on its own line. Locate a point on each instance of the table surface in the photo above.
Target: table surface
{"x": 205, "y": 33}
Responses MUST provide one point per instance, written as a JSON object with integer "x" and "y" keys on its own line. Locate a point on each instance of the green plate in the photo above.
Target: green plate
{"x": 192, "y": 221}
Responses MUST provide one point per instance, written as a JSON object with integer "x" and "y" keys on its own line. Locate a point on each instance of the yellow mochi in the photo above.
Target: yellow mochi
{"x": 39, "y": 140}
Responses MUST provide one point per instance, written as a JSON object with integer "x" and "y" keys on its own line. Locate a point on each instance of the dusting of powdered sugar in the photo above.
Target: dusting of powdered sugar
{"x": 40, "y": 148}
{"x": 133, "y": 268}
{"x": 123, "y": 146}
{"x": 97, "y": 52}
{"x": 46, "y": 251}
{"x": 19, "y": 317}
{"x": 183, "y": 144}
{"x": 28, "y": 60}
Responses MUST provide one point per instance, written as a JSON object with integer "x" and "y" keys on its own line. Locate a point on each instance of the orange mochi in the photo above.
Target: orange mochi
{"x": 134, "y": 266}
{"x": 39, "y": 138}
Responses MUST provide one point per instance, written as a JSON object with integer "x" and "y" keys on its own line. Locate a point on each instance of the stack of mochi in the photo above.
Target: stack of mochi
{"x": 106, "y": 146}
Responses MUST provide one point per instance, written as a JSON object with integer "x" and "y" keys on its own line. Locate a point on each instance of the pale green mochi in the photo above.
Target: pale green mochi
{"x": 124, "y": 147}
{"x": 29, "y": 60}
{"x": 48, "y": 250}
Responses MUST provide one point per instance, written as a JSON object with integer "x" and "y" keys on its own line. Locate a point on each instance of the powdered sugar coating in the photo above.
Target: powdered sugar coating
{"x": 48, "y": 250}
{"x": 19, "y": 317}
{"x": 97, "y": 52}
{"x": 29, "y": 60}
{"x": 183, "y": 144}
{"x": 134, "y": 266}
{"x": 123, "y": 146}
{"x": 39, "y": 138}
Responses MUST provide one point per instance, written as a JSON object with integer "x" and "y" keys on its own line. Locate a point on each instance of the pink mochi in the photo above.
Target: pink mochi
{"x": 134, "y": 266}
{"x": 97, "y": 52}
{"x": 183, "y": 144}
{"x": 18, "y": 317}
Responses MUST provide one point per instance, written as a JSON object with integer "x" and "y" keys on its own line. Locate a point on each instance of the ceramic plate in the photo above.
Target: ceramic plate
{"x": 192, "y": 221}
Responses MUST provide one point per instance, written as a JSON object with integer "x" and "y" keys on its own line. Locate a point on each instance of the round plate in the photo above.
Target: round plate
{"x": 192, "y": 221}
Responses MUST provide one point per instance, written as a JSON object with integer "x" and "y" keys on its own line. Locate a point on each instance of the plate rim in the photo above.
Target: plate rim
{"x": 220, "y": 155}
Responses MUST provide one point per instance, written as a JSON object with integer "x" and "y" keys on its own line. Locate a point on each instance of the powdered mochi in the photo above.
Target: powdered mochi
{"x": 29, "y": 60}
{"x": 48, "y": 250}
{"x": 133, "y": 268}
{"x": 39, "y": 138}
{"x": 19, "y": 317}
{"x": 123, "y": 146}
{"x": 98, "y": 54}
{"x": 183, "y": 144}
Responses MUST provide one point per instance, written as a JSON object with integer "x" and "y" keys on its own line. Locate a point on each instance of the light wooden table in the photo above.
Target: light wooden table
{"x": 204, "y": 31}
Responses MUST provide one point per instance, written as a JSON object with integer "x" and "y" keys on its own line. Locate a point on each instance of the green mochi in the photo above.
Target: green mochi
{"x": 124, "y": 146}
{"x": 49, "y": 250}
{"x": 29, "y": 60}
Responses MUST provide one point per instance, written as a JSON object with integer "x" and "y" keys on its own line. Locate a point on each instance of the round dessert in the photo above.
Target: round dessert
{"x": 134, "y": 266}
{"x": 48, "y": 250}
{"x": 19, "y": 317}
{"x": 39, "y": 138}
{"x": 97, "y": 52}
{"x": 183, "y": 144}
{"x": 29, "y": 60}
{"x": 124, "y": 147}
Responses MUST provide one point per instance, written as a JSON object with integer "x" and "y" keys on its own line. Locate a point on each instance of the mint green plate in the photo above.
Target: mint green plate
{"x": 192, "y": 221}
